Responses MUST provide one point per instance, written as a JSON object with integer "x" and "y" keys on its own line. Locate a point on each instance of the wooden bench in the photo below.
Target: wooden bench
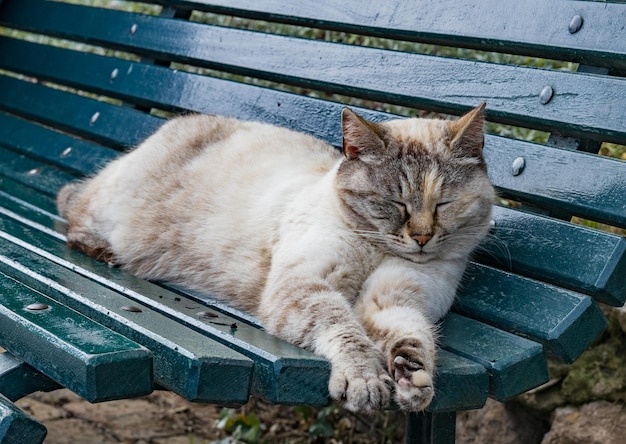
{"x": 79, "y": 84}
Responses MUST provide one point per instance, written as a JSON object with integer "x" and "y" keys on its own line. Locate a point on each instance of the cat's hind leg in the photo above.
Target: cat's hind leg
{"x": 80, "y": 234}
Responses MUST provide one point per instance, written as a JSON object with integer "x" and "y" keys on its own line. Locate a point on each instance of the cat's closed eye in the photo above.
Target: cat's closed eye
{"x": 403, "y": 209}
{"x": 442, "y": 205}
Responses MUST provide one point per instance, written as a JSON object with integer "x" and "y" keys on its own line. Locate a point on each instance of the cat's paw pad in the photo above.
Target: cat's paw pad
{"x": 361, "y": 389}
{"x": 414, "y": 385}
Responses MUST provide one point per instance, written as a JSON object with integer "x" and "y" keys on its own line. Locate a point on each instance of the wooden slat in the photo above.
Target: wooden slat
{"x": 75, "y": 113}
{"x": 72, "y": 349}
{"x": 514, "y": 364}
{"x": 571, "y": 256}
{"x": 69, "y": 153}
{"x": 18, "y": 379}
{"x": 42, "y": 177}
{"x": 185, "y": 361}
{"x": 16, "y": 426}
{"x": 533, "y": 27}
{"x": 512, "y": 92}
{"x": 564, "y": 321}
{"x": 458, "y": 381}
{"x": 588, "y": 185}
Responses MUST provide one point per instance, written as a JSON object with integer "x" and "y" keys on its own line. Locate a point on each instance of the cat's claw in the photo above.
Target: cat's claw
{"x": 414, "y": 385}
{"x": 361, "y": 389}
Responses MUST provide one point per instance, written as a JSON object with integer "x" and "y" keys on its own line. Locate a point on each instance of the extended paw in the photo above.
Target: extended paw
{"x": 414, "y": 384}
{"x": 360, "y": 388}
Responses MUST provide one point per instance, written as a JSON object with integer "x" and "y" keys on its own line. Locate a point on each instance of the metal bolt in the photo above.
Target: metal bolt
{"x": 492, "y": 224}
{"x": 114, "y": 73}
{"x": 546, "y": 95}
{"x": 37, "y": 307}
{"x": 132, "y": 309}
{"x": 66, "y": 152}
{"x": 133, "y": 29}
{"x": 34, "y": 171}
{"x": 94, "y": 118}
{"x": 575, "y": 24}
{"x": 518, "y": 166}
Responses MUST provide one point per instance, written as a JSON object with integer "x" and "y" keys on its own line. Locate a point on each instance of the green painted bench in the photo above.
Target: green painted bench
{"x": 80, "y": 84}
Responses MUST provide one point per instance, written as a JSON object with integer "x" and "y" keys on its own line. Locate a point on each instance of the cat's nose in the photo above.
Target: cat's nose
{"x": 422, "y": 239}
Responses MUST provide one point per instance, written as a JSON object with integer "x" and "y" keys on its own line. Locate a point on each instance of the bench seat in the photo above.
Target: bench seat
{"x": 79, "y": 85}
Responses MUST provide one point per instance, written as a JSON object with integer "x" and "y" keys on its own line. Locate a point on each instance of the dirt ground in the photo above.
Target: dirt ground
{"x": 164, "y": 417}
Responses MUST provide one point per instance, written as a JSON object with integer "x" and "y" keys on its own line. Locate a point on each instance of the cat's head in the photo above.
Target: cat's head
{"x": 418, "y": 188}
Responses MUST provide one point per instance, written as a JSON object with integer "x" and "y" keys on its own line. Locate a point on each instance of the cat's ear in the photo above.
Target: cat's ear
{"x": 361, "y": 138}
{"x": 466, "y": 133}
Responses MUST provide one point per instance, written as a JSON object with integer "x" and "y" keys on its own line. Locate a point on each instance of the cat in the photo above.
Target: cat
{"x": 354, "y": 255}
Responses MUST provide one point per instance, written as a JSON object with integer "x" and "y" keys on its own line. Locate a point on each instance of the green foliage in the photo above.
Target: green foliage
{"x": 242, "y": 427}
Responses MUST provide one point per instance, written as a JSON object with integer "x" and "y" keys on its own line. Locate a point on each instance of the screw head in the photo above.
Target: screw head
{"x": 114, "y": 73}
{"x": 94, "y": 118}
{"x": 66, "y": 152}
{"x": 133, "y": 29}
{"x": 518, "y": 166}
{"x": 37, "y": 307}
{"x": 546, "y": 95}
{"x": 575, "y": 24}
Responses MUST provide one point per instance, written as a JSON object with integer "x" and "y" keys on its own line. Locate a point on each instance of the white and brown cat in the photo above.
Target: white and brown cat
{"x": 352, "y": 256}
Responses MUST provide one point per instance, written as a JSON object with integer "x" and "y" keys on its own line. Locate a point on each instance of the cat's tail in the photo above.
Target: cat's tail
{"x": 67, "y": 197}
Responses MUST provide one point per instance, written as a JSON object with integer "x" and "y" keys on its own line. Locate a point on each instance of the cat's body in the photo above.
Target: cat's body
{"x": 354, "y": 257}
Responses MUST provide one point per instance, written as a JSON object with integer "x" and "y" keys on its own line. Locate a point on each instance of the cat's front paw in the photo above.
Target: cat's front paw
{"x": 360, "y": 388}
{"x": 413, "y": 382}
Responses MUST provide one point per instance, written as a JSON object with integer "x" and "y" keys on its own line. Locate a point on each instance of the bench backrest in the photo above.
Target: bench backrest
{"x": 93, "y": 82}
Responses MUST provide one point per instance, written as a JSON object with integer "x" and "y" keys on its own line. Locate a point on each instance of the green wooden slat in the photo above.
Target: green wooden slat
{"x": 17, "y": 427}
{"x": 512, "y": 92}
{"x": 70, "y": 153}
{"x": 533, "y": 27}
{"x": 75, "y": 351}
{"x": 571, "y": 256}
{"x": 458, "y": 382}
{"x": 27, "y": 197}
{"x": 588, "y": 185}
{"x": 577, "y": 193}
{"x": 41, "y": 177}
{"x": 564, "y": 321}
{"x": 283, "y": 373}
{"x": 514, "y": 364}
{"x": 185, "y": 361}
{"x": 18, "y": 379}
{"x": 74, "y": 113}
